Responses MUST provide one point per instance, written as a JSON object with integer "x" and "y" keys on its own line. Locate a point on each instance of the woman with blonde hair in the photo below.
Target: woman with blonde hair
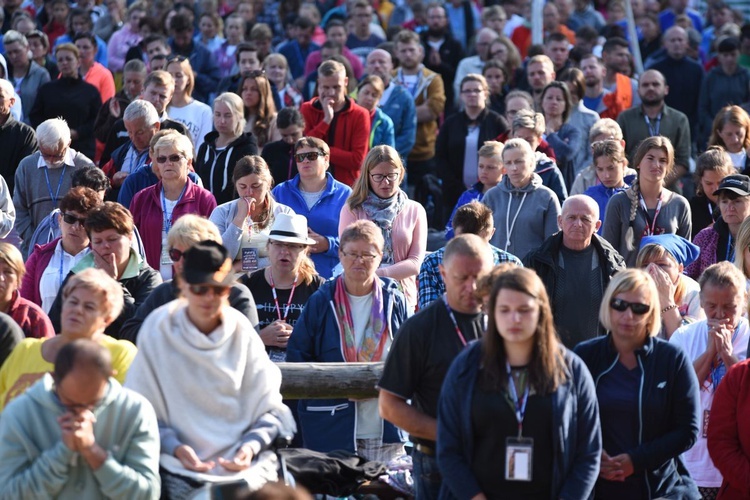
{"x": 731, "y": 131}
{"x": 742, "y": 259}
{"x": 224, "y": 147}
{"x": 647, "y": 393}
{"x": 377, "y": 197}
{"x": 260, "y": 110}
{"x": 647, "y": 207}
{"x": 277, "y": 69}
{"x": 195, "y": 115}
{"x": 514, "y": 405}
{"x": 244, "y": 223}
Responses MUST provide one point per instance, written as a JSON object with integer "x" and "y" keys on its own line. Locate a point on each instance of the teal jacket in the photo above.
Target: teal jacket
{"x": 36, "y": 463}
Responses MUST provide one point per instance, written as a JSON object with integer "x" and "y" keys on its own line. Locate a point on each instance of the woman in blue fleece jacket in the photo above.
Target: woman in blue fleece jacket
{"x": 518, "y": 416}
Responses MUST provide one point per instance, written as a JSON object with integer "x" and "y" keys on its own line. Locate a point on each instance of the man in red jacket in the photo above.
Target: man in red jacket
{"x": 339, "y": 121}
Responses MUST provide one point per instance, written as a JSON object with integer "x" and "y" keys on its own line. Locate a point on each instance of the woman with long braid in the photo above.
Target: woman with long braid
{"x": 647, "y": 208}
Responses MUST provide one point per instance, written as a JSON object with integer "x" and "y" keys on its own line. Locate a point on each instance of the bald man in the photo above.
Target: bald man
{"x": 396, "y": 101}
{"x": 474, "y": 64}
{"x": 684, "y": 75}
{"x": 576, "y": 265}
{"x": 654, "y": 117}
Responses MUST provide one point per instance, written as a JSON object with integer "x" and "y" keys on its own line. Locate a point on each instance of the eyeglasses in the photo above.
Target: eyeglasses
{"x": 171, "y": 158}
{"x": 202, "y": 290}
{"x": 72, "y": 219}
{"x": 472, "y": 91}
{"x": 312, "y": 156}
{"x": 381, "y": 177}
{"x": 365, "y": 257}
{"x": 175, "y": 255}
{"x": 292, "y": 247}
{"x": 622, "y": 306}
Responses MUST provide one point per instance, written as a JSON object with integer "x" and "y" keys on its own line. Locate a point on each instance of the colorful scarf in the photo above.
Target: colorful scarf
{"x": 376, "y": 332}
{"x": 382, "y": 212}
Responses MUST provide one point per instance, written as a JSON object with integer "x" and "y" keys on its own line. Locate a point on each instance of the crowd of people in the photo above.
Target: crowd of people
{"x": 547, "y": 246}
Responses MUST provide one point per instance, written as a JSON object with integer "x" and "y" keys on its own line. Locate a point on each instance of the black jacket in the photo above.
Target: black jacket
{"x": 451, "y": 145}
{"x": 217, "y": 167}
{"x": 700, "y": 214}
{"x": 279, "y": 157}
{"x": 669, "y": 406}
{"x": 118, "y": 135}
{"x": 240, "y": 298}
{"x": 136, "y": 290}
{"x": 544, "y": 260}
{"x": 451, "y": 52}
{"x": 17, "y": 141}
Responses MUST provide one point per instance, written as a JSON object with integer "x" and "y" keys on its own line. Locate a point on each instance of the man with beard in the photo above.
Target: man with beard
{"x": 474, "y": 64}
{"x": 616, "y": 58}
{"x": 609, "y": 104}
{"x": 654, "y": 117}
{"x": 442, "y": 52}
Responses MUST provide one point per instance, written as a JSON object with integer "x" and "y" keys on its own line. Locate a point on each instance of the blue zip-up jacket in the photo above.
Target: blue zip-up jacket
{"x": 323, "y": 217}
{"x": 401, "y": 110}
{"x": 471, "y": 194}
{"x": 381, "y": 130}
{"x": 601, "y": 195}
{"x": 669, "y": 408}
{"x": 576, "y": 431}
{"x": 330, "y": 424}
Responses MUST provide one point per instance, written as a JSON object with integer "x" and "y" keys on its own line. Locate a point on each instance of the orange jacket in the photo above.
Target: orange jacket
{"x": 521, "y": 37}
{"x": 619, "y": 100}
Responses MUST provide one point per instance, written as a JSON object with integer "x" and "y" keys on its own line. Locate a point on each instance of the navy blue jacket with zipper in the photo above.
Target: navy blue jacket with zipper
{"x": 669, "y": 411}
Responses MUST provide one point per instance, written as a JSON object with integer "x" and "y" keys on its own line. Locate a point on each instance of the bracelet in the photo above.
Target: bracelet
{"x": 669, "y": 308}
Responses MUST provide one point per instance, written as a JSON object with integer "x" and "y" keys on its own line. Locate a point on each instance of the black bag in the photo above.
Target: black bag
{"x": 429, "y": 193}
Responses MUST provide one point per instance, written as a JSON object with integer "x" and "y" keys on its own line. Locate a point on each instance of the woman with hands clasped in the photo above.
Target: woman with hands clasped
{"x": 244, "y": 223}
{"x": 648, "y": 396}
{"x": 664, "y": 257}
{"x": 200, "y": 337}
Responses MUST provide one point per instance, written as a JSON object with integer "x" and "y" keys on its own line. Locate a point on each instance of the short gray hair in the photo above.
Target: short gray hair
{"x": 13, "y": 36}
{"x": 53, "y": 133}
{"x": 141, "y": 109}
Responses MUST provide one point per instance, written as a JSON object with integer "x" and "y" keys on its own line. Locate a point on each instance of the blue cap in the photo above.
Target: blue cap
{"x": 682, "y": 250}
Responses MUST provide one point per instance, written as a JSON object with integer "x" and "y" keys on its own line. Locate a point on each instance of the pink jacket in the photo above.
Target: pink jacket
{"x": 409, "y": 245}
{"x": 314, "y": 60}
{"x": 147, "y": 214}
{"x": 30, "y": 317}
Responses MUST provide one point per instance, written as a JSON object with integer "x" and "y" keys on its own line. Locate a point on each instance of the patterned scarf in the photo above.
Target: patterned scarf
{"x": 376, "y": 332}
{"x": 382, "y": 212}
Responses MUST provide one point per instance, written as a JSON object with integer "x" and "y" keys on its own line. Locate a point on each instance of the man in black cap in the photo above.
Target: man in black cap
{"x": 727, "y": 83}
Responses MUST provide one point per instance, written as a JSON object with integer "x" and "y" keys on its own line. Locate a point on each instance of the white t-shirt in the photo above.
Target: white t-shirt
{"x": 54, "y": 275}
{"x": 471, "y": 161}
{"x": 738, "y": 159}
{"x": 311, "y": 198}
{"x": 693, "y": 339}
{"x": 197, "y": 117}
{"x": 691, "y": 300}
{"x": 165, "y": 263}
{"x": 369, "y": 423}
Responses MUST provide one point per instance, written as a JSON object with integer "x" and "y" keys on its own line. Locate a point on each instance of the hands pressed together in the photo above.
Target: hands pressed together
{"x": 616, "y": 468}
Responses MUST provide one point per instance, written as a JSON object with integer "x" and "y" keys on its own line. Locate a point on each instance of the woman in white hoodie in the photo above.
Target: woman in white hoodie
{"x": 525, "y": 211}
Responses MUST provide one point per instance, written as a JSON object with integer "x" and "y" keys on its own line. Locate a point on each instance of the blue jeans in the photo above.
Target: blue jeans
{"x": 427, "y": 478}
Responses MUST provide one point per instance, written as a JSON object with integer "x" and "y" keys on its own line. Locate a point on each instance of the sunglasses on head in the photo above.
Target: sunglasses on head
{"x": 204, "y": 289}
{"x": 636, "y": 307}
{"x": 312, "y": 156}
{"x": 72, "y": 219}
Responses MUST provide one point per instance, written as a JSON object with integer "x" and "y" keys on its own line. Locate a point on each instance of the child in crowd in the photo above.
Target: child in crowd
{"x": 610, "y": 163}
{"x": 490, "y": 171}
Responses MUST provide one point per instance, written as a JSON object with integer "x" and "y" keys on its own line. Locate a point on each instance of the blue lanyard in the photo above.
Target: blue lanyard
{"x": 59, "y": 183}
{"x": 168, "y": 216}
{"x": 62, "y": 254}
{"x": 730, "y": 249}
{"x": 519, "y": 405}
{"x": 652, "y": 131}
{"x": 718, "y": 371}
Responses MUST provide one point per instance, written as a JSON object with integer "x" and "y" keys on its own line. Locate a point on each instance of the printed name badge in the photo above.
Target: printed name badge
{"x": 249, "y": 259}
{"x": 165, "y": 259}
{"x": 519, "y": 453}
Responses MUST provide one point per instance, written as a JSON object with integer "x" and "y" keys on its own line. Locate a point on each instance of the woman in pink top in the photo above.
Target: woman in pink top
{"x": 376, "y": 196}
{"x": 93, "y": 72}
{"x": 125, "y": 38}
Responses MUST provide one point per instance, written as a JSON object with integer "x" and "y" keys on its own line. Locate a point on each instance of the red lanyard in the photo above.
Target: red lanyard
{"x": 276, "y": 299}
{"x": 652, "y": 226}
{"x": 455, "y": 323}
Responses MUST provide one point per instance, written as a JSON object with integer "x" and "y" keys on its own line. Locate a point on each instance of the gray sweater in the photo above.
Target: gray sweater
{"x": 32, "y": 197}
{"x": 35, "y": 78}
{"x": 535, "y": 220}
{"x": 673, "y": 218}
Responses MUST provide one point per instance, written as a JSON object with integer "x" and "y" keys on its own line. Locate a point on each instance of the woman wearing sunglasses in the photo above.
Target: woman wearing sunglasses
{"x": 352, "y": 318}
{"x": 376, "y": 196}
{"x": 244, "y": 223}
{"x": 314, "y": 193}
{"x": 49, "y": 264}
{"x": 217, "y": 436}
{"x": 282, "y": 289}
{"x": 156, "y": 208}
{"x": 648, "y": 396}
{"x": 188, "y": 231}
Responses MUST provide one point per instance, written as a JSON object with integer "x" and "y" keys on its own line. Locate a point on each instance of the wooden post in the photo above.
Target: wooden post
{"x": 330, "y": 380}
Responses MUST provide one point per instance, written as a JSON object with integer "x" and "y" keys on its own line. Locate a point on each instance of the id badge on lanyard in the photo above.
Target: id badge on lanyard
{"x": 519, "y": 450}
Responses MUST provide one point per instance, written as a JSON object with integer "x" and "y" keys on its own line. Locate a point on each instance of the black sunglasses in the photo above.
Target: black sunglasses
{"x": 175, "y": 254}
{"x": 175, "y": 158}
{"x": 312, "y": 156}
{"x": 72, "y": 219}
{"x": 201, "y": 290}
{"x": 622, "y": 306}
